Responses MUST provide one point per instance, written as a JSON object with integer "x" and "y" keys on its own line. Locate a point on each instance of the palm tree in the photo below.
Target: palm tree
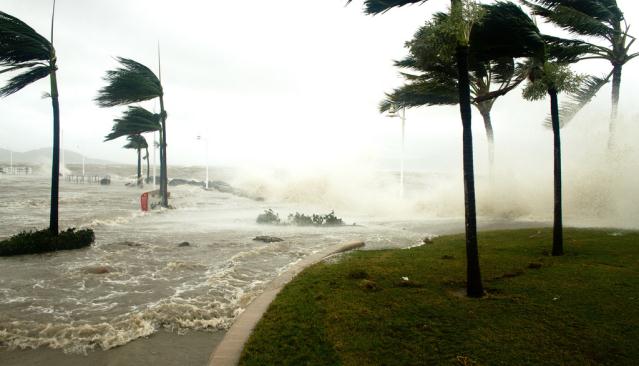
{"x": 135, "y": 121}
{"x": 509, "y": 36}
{"x": 599, "y": 19}
{"x": 138, "y": 142}
{"x": 33, "y": 57}
{"x": 133, "y": 82}
{"x": 551, "y": 78}
{"x": 433, "y": 78}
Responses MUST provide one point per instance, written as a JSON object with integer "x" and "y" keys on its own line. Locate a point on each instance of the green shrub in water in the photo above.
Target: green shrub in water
{"x": 43, "y": 241}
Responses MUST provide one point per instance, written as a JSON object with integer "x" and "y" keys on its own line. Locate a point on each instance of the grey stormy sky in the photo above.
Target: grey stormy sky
{"x": 280, "y": 83}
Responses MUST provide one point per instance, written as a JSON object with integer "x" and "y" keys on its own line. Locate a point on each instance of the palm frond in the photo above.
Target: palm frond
{"x": 579, "y": 98}
{"x": 571, "y": 19}
{"x": 19, "y": 81}
{"x": 132, "y": 82}
{"x": 421, "y": 93}
{"x": 506, "y": 31}
{"x": 567, "y": 50}
{"x": 136, "y": 142}
{"x": 382, "y": 6}
{"x": 135, "y": 120}
{"x": 20, "y": 43}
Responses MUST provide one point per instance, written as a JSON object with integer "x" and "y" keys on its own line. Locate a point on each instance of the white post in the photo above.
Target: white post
{"x": 154, "y": 148}
{"x": 206, "y": 159}
{"x": 11, "y": 164}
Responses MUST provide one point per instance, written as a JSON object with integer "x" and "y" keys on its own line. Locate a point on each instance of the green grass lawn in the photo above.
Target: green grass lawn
{"x": 579, "y": 309}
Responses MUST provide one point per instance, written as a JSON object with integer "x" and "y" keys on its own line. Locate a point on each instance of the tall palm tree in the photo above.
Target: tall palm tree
{"x": 507, "y": 39}
{"x": 33, "y": 57}
{"x": 137, "y": 142}
{"x": 598, "y": 19}
{"x": 433, "y": 76}
{"x": 135, "y": 121}
{"x": 133, "y": 82}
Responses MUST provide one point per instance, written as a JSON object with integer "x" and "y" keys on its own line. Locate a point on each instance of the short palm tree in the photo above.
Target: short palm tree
{"x": 138, "y": 142}
{"x": 510, "y": 35}
{"x": 592, "y": 19}
{"x": 135, "y": 121}
{"x": 32, "y": 57}
{"x": 133, "y": 82}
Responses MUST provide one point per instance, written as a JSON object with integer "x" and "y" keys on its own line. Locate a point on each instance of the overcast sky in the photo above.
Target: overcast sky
{"x": 268, "y": 82}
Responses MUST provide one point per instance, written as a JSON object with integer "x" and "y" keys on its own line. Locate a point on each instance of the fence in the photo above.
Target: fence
{"x": 96, "y": 179}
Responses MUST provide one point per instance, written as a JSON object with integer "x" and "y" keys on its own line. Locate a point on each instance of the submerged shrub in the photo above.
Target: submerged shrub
{"x": 268, "y": 217}
{"x": 42, "y": 241}
{"x": 300, "y": 219}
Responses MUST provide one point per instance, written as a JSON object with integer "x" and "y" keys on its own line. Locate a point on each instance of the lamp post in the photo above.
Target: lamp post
{"x": 394, "y": 113}
{"x": 206, "y": 159}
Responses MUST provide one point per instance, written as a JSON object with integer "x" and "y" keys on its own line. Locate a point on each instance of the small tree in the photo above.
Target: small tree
{"x": 137, "y": 142}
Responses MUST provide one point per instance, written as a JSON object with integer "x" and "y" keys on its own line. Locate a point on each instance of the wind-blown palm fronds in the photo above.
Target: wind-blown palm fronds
{"x": 130, "y": 83}
{"x": 382, "y": 6}
{"x": 134, "y": 121}
{"x": 601, "y": 19}
{"x": 32, "y": 57}
{"x": 579, "y": 98}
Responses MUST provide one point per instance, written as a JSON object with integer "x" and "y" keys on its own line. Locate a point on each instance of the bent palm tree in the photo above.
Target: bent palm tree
{"x": 599, "y": 19}
{"x": 132, "y": 83}
{"x": 137, "y": 142}
{"x": 135, "y": 121}
{"x": 33, "y": 57}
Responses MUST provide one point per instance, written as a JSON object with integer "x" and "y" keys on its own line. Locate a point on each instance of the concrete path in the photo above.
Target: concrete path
{"x": 227, "y": 353}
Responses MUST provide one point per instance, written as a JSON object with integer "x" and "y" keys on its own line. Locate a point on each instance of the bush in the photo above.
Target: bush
{"x": 300, "y": 219}
{"x": 43, "y": 241}
{"x": 268, "y": 217}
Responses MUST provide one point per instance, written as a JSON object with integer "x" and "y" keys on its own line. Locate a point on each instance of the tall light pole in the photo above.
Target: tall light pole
{"x": 206, "y": 159}
{"x": 393, "y": 114}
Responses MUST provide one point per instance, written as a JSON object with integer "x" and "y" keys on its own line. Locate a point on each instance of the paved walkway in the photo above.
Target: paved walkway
{"x": 228, "y": 352}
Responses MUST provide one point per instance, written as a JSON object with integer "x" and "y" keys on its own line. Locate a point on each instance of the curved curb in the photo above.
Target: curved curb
{"x": 228, "y": 351}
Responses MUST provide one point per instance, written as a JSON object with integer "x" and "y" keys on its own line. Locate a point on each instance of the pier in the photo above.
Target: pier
{"x": 95, "y": 179}
{"x": 16, "y": 170}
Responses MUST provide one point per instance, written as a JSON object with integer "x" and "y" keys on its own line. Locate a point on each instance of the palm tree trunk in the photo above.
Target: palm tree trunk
{"x": 473, "y": 286}
{"x": 616, "y": 85}
{"x": 139, "y": 166}
{"x": 557, "y": 230}
{"x": 163, "y": 166}
{"x": 484, "y": 110}
{"x": 147, "y": 164}
{"x": 55, "y": 163}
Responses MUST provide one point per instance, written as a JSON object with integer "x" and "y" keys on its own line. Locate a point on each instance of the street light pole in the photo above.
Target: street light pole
{"x": 206, "y": 159}
{"x": 392, "y": 114}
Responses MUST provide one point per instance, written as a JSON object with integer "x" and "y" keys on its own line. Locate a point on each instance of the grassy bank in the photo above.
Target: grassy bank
{"x": 579, "y": 309}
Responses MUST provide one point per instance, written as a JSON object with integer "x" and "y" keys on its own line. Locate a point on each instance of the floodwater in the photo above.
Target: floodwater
{"x": 136, "y": 279}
